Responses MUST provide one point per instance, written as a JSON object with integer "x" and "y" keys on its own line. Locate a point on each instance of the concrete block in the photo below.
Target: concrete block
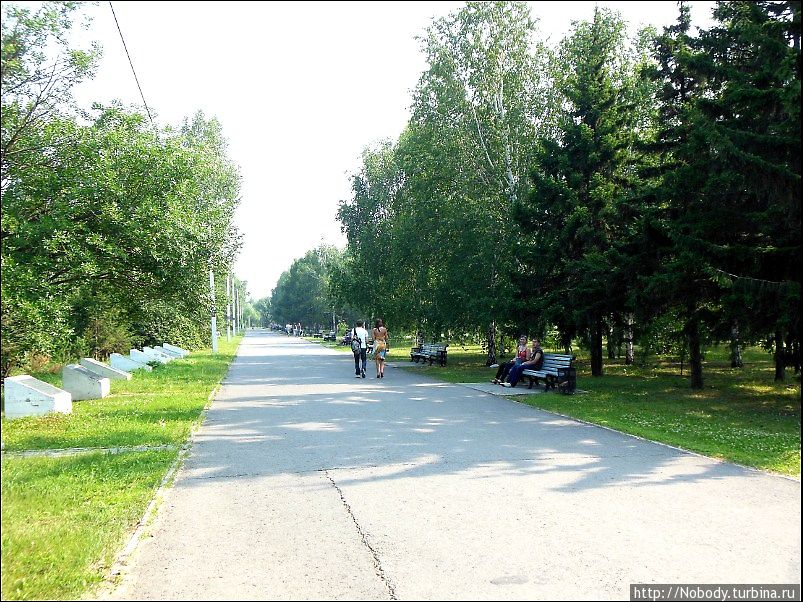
{"x": 168, "y": 352}
{"x": 102, "y": 369}
{"x": 183, "y": 352}
{"x": 125, "y": 363}
{"x": 141, "y": 356}
{"x": 157, "y": 354}
{"x": 27, "y": 396}
{"x": 83, "y": 384}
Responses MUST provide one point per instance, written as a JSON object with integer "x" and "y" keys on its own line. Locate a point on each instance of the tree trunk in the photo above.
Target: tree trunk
{"x": 629, "y": 356}
{"x": 780, "y": 364}
{"x": 596, "y": 347}
{"x": 695, "y": 355}
{"x": 736, "y": 348}
{"x": 566, "y": 340}
{"x": 491, "y": 344}
{"x": 611, "y": 343}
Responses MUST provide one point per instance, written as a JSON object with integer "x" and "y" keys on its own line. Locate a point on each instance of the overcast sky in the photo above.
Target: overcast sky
{"x": 300, "y": 89}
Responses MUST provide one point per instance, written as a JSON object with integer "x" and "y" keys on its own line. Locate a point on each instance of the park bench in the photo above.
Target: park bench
{"x": 557, "y": 371}
{"x": 432, "y": 352}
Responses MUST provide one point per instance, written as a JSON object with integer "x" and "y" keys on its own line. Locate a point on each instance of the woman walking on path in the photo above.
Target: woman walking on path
{"x": 380, "y": 334}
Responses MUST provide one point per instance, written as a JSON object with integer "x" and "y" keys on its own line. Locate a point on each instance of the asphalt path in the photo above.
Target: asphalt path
{"x": 306, "y": 483}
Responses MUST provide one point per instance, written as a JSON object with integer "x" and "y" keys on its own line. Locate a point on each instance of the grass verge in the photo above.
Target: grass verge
{"x": 65, "y": 518}
{"x": 740, "y": 415}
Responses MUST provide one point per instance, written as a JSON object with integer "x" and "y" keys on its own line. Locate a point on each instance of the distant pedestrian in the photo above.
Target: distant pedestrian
{"x": 381, "y": 347}
{"x": 359, "y": 347}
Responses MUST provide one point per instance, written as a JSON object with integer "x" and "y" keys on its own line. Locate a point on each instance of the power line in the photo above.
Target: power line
{"x": 132, "y": 66}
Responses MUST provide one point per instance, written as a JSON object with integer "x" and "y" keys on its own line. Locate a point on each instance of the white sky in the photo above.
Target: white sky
{"x": 300, "y": 89}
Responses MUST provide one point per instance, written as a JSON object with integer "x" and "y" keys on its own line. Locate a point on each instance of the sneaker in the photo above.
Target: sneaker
{"x": 508, "y": 385}
{"x": 495, "y": 381}
{"x": 363, "y": 374}
{"x": 356, "y": 376}
{"x": 494, "y": 366}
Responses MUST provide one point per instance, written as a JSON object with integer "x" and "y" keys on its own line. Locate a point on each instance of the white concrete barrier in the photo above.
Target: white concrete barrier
{"x": 169, "y": 352}
{"x": 125, "y": 363}
{"x": 27, "y": 396}
{"x": 83, "y": 384}
{"x": 183, "y": 352}
{"x": 158, "y": 354}
{"x": 141, "y": 356}
{"x": 102, "y": 369}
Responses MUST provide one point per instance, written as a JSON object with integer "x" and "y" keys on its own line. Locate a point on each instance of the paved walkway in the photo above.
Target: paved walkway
{"x": 310, "y": 484}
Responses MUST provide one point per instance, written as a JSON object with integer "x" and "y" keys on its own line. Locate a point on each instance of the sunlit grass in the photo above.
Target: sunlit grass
{"x": 64, "y": 519}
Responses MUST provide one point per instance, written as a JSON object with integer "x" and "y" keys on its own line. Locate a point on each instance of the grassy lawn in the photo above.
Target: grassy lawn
{"x": 65, "y": 518}
{"x": 741, "y": 415}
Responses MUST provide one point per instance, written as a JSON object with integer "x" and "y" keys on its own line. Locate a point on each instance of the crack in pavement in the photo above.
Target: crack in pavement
{"x": 377, "y": 562}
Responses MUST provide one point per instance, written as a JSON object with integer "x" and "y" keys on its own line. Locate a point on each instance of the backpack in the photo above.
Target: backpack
{"x": 356, "y": 345}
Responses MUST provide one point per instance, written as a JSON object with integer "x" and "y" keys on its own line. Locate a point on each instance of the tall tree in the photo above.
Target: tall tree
{"x": 582, "y": 182}
{"x": 728, "y": 202}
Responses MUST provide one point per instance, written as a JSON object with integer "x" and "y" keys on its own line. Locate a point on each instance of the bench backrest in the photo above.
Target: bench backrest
{"x": 433, "y": 348}
{"x": 553, "y": 361}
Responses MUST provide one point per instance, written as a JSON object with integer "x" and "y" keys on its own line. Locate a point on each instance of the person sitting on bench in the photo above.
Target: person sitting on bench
{"x": 523, "y": 353}
{"x": 534, "y": 363}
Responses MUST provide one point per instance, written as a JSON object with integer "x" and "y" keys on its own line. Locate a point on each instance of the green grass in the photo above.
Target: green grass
{"x": 64, "y": 519}
{"x": 740, "y": 415}
{"x": 330, "y": 344}
{"x": 153, "y": 408}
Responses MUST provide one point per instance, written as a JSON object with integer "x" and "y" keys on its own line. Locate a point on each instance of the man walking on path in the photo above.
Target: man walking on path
{"x": 360, "y": 350}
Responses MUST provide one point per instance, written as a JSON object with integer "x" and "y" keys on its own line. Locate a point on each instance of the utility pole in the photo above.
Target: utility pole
{"x": 228, "y": 307}
{"x": 236, "y": 311}
{"x": 213, "y": 307}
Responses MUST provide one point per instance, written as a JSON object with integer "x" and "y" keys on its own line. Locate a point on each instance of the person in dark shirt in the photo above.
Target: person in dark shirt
{"x": 535, "y": 363}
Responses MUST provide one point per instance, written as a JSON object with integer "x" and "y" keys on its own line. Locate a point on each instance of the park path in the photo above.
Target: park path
{"x": 306, "y": 483}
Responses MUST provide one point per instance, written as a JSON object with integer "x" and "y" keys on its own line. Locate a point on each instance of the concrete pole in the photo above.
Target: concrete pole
{"x": 228, "y": 307}
{"x": 213, "y": 308}
{"x": 236, "y": 311}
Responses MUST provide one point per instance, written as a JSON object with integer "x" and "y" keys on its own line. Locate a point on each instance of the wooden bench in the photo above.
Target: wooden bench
{"x": 432, "y": 352}
{"x": 557, "y": 371}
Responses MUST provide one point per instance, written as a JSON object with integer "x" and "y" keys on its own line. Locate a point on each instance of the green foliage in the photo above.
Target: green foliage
{"x": 101, "y": 219}
{"x": 303, "y": 293}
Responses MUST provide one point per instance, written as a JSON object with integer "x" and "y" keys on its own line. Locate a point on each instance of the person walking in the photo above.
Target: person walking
{"x": 381, "y": 347}
{"x": 359, "y": 346}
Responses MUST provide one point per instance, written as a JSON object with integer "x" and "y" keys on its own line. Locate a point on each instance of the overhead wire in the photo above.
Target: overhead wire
{"x": 130, "y": 62}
